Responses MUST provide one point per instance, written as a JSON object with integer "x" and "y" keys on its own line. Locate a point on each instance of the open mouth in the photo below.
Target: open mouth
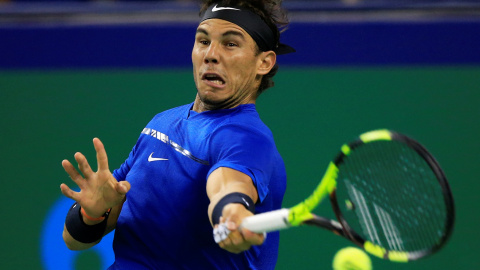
{"x": 213, "y": 78}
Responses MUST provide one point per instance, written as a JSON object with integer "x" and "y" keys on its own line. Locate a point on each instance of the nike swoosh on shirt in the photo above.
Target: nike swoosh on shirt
{"x": 150, "y": 158}
{"x": 214, "y": 9}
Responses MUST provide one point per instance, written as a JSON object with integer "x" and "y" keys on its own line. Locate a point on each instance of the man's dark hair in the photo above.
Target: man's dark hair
{"x": 274, "y": 16}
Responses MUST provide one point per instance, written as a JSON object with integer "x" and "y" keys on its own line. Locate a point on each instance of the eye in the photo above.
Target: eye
{"x": 232, "y": 44}
{"x": 202, "y": 40}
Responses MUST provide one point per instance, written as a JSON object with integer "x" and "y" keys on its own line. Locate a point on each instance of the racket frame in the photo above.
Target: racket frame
{"x": 302, "y": 212}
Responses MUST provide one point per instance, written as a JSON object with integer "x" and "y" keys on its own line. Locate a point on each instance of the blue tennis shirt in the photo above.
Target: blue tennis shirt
{"x": 164, "y": 221}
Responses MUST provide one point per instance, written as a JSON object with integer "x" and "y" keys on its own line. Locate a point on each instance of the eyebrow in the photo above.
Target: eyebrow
{"x": 228, "y": 33}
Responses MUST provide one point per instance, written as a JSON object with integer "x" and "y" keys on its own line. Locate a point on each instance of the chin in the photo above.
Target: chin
{"x": 212, "y": 103}
{"x": 210, "y": 97}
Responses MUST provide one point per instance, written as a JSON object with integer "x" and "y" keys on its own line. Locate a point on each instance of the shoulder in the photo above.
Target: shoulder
{"x": 245, "y": 131}
{"x": 178, "y": 111}
{"x": 249, "y": 134}
{"x": 243, "y": 120}
{"x": 169, "y": 117}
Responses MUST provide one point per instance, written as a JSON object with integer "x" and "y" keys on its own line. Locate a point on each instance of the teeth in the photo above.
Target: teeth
{"x": 212, "y": 78}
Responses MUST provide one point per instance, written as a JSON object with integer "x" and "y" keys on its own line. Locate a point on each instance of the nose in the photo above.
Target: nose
{"x": 211, "y": 56}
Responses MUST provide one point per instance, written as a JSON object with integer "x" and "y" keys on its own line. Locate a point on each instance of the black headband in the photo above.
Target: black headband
{"x": 251, "y": 23}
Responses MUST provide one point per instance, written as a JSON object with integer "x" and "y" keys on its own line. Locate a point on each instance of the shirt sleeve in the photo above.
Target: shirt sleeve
{"x": 247, "y": 150}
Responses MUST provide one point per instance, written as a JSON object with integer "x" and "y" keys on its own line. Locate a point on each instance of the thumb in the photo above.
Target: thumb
{"x": 122, "y": 187}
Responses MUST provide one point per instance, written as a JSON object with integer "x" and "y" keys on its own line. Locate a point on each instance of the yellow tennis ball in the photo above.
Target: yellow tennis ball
{"x": 351, "y": 258}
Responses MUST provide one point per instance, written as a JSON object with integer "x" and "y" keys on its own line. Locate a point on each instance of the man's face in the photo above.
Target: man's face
{"x": 226, "y": 68}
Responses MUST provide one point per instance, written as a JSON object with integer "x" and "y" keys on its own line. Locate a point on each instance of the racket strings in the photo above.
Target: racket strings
{"x": 393, "y": 197}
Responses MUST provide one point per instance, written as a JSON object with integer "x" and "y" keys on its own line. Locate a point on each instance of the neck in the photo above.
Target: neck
{"x": 201, "y": 106}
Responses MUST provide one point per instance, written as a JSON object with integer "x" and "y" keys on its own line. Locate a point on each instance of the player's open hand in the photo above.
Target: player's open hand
{"x": 228, "y": 233}
{"x": 99, "y": 190}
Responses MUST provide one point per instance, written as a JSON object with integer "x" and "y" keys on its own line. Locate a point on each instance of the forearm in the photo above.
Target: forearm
{"x": 225, "y": 181}
{"x": 73, "y": 244}
{"x": 86, "y": 224}
{"x": 232, "y": 197}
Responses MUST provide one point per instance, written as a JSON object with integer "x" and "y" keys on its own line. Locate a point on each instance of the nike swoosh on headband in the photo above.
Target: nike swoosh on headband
{"x": 215, "y": 9}
{"x": 252, "y": 23}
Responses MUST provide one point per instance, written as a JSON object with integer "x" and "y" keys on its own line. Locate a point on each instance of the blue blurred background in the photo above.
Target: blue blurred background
{"x": 74, "y": 70}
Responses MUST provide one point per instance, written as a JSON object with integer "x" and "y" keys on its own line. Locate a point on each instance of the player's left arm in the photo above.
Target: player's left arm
{"x": 222, "y": 182}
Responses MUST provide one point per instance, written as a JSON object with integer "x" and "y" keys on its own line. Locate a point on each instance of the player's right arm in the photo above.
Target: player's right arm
{"x": 99, "y": 192}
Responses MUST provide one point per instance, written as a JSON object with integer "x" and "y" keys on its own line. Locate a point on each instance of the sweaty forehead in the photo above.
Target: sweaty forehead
{"x": 224, "y": 28}
{"x": 220, "y": 26}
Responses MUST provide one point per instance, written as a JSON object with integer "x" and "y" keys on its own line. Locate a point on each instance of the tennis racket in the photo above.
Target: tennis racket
{"x": 389, "y": 196}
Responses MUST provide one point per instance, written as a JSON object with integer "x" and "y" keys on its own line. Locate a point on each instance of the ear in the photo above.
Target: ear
{"x": 266, "y": 62}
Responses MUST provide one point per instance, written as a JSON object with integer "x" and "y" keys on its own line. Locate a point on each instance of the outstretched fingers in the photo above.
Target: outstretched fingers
{"x": 102, "y": 159}
{"x": 72, "y": 172}
{"x": 68, "y": 192}
{"x": 83, "y": 165}
{"x": 97, "y": 189}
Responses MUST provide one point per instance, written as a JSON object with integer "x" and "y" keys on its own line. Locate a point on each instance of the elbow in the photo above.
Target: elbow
{"x": 71, "y": 247}
{"x": 67, "y": 238}
{"x": 69, "y": 241}
{"x": 73, "y": 244}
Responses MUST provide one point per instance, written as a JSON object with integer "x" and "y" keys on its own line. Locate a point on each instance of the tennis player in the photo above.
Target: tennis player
{"x": 209, "y": 163}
